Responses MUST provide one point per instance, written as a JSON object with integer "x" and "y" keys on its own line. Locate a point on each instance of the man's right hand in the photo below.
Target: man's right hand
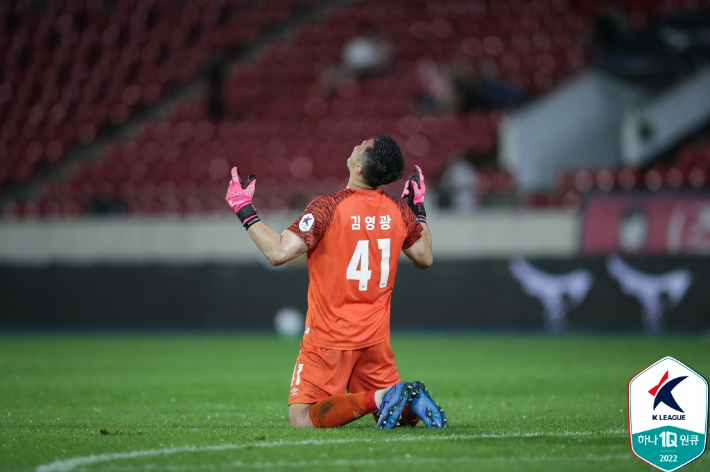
{"x": 241, "y": 198}
{"x": 414, "y": 190}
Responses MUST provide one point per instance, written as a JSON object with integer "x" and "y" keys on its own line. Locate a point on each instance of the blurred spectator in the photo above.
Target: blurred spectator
{"x": 437, "y": 90}
{"x": 457, "y": 186}
{"x": 612, "y": 26}
{"x": 366, "y": 55}
{"x": 479, "y": 85}
{"x": 465, "y": 85}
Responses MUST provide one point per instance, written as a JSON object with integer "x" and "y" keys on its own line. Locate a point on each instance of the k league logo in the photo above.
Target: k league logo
{"x": 664, "y": 392}
{"x": 668, "y": 414}
{"x": 306, "y": 222}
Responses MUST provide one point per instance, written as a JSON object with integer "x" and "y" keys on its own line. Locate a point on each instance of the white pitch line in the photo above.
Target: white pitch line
{"x": 379, "y": 462}
{"x": 70, "y": 464}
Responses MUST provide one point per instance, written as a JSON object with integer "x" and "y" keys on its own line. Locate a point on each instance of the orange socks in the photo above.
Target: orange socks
{"x": 339, "y": 410}
{"x": 342, "y": 409}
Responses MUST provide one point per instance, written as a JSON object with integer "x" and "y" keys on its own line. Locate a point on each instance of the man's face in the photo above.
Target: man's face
{"x": 358, "y": 151}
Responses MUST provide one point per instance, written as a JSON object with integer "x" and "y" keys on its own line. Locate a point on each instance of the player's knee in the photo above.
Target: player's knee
{"x": 301, "y": 422}
{"x": 299, "y": 417}
{"x": 295, "y": 420}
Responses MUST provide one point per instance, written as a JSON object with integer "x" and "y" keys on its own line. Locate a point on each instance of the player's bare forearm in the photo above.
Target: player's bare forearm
{"x": 277, "y": 248}
{"x": 420, "y": 253}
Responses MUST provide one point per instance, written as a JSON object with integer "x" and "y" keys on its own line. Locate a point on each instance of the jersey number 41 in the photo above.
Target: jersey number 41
{"x": 361, "y": 257}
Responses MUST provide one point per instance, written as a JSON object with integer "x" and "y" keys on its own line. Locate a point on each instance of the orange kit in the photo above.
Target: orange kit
{"x": 354, "y": 240}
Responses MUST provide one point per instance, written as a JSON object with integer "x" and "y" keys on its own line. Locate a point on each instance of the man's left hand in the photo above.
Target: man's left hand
{"x": 414, "y": 190}
{"x": 241, "y": 198}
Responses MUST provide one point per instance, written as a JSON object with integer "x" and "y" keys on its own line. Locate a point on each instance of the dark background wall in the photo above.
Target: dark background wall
{"x": 474, "y": 293}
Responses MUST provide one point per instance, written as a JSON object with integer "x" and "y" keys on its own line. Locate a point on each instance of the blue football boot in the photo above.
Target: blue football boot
{"x": 426, "y": 409}
{"x": 392, "y": 405}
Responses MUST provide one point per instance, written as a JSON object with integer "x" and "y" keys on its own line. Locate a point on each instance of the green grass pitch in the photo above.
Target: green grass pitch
{"x": 218, "y": 402}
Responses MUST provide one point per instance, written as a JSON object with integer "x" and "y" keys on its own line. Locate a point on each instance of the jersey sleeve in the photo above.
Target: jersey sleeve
{"x": 411, "y": 226}
{"x": 315, "y": 220}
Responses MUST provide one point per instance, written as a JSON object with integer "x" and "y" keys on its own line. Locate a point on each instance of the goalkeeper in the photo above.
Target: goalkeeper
{"x": 353, "y": 239}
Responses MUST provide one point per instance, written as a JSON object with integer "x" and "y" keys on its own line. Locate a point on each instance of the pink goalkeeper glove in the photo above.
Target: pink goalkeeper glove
{"x": 414, "y": 189}
{"x": 241, "y": 198}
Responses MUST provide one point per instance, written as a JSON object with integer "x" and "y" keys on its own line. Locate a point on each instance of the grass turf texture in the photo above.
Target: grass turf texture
{"x": 206, "y": 402}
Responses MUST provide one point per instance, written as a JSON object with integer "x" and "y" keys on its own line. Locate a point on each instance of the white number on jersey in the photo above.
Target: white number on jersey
{"x": 384, "y": 245}
{"x": 361, "y": 257}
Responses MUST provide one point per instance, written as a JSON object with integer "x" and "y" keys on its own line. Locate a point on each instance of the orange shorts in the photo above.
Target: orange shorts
{"x": 321, "y": 373}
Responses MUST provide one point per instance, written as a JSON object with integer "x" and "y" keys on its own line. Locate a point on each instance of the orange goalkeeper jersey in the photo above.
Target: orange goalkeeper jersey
{"x": 354, "y": 239}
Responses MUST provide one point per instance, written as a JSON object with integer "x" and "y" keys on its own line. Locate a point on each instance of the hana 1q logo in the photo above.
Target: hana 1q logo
{"x": 668, "y": 414}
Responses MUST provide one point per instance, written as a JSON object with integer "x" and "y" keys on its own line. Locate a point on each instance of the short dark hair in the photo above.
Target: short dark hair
{"x": 382, "y": 162}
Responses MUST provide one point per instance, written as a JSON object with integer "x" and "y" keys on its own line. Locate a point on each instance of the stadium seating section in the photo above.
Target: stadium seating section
{"x": 688, "y": 169}
{"x": 74, "y": 66}
{"x": 68, "y": 68}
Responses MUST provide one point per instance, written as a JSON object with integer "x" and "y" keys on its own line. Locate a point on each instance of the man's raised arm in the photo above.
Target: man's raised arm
{"x": 420, "y": 253}
{"x": 277, "y": 248}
